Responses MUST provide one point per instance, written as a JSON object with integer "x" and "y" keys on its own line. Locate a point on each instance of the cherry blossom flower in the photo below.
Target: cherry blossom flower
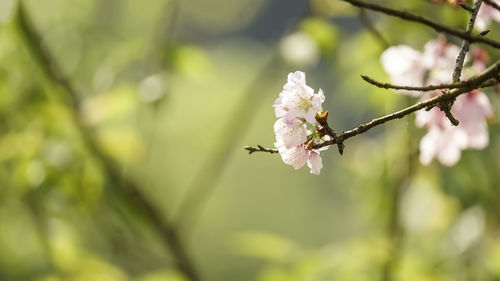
{"x": 439, "y": 59}
{"x": 296, "y": 106}
{"x": 290, "y": 132}
{"x": 485, "y": 14}
{"x": 404, "y": 66}
{"x": 299, "y": 155}
{"x": 297, "y": 100}
{"x": 445, "y": 141}
{"x": 472, "y": 110}
{"x": 445, "y": 144}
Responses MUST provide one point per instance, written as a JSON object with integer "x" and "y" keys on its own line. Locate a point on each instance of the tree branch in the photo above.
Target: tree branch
{"x": 459, "y": 64}
{"x": 416, "y": 18}
{"x": 128, "y": 189}
{"x": 491, "y": 72}
{"x": 260, "y": 148}
{"x": 492, "y": 4}
{"x": 461, "y": 84}
{"x": 457, "y": 72}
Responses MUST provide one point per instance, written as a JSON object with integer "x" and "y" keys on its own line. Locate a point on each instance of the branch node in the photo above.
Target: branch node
{"x": 446, "y": 108}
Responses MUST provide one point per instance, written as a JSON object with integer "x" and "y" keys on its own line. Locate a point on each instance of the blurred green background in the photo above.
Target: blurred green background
{"x": 170, "y": 92}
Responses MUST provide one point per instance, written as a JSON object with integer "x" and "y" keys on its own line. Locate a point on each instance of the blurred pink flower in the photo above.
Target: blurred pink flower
{"x": 439, "y": 59}
{"x": 485, "y": 14}
{"x": 404, "y": 66}
{"x": 445, "y": 141}
{"x": 437, "y": 62}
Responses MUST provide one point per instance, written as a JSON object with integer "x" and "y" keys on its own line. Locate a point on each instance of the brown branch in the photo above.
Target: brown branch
{"x": 457, "y": 72}
{"x": 492, "y": 4}
{"x": 459, "y": 64}
{"x": 461, "y": 84}
{"x": 419, "y": 19}
{"x": 129, "y": 190}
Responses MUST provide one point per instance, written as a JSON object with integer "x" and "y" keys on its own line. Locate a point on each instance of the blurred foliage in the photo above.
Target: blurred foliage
{"x": 159, "y": 84}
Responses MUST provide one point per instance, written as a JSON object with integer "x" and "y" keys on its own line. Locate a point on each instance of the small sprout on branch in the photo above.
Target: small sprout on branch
{"x": 483, "y": 33}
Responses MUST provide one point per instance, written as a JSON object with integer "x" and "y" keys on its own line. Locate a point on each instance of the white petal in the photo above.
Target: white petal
{"x": 295, "y": 156}
{"x": 290, "y": 132}
{"x": 315, "y": 163}
{"x": 429, "y": 146}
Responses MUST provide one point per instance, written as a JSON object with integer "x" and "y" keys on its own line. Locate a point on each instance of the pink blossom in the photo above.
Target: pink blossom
{"x": 299, "y": 155}
{"x": 472, "y": 110}
{"x": 290, "y": 132}
{"x": 485, "y": 14}
{"x": 445, "y": 144}
{"x": 314, "y": 162}
{"x": 439, "y": 59}
{"x": 445, "y": 141}
{"x": 297, "y": 100}
{"x": 404, "y": 66}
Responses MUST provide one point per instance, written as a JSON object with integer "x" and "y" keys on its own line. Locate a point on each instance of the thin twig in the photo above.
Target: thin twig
{"x": 416, "y": 18}
{"x": 492, "y": 4}
{"x": 457, "y": 72}
{"x": 461, "y": 84}
{"x": 260, "y": 148}
{"x": 128, "y": 189}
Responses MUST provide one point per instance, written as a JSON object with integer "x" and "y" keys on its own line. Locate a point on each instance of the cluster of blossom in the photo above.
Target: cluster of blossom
{"x": 296, "y": 133}
{"x": 484, "y": 16}
{"x": 435, "y": 65}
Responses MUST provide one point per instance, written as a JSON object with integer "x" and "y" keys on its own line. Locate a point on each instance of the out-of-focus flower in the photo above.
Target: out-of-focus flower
{"x": 443, "y": 143}
{"x": 486, "y": 14}
{"x": 479, "y": 59}
{"x": 443, "y": 140}
{"x": 300, "y": 49}
{"x": 297, "y": 100}
{"x": 439, "y": 59}
{"x": 296, "y": 105}
{"x": 456, "y": 3}
{"x": 472, "y": 110}
{"x": 404, "y": 66}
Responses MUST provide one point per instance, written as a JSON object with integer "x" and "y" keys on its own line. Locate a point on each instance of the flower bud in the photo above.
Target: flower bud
{"x": 322, "y": 116}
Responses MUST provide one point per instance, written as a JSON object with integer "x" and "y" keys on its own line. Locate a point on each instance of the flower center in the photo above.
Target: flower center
{"x": 304, "y": 103}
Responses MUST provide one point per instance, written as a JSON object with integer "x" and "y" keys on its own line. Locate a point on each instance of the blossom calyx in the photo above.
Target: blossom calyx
{"x": 321, "y": 117}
